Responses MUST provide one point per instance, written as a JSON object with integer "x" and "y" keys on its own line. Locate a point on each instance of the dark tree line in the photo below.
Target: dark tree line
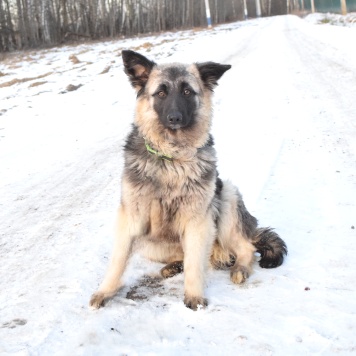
{"x": 39, "y": 23}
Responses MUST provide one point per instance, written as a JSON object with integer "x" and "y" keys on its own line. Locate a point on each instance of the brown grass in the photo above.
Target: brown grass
{"x": 147, "y": 46}
{"x": 74, "y": 59}
{"x": 106, "y": 69}
{"x": 23, "y": 80}
{"x": 36, "y": 84}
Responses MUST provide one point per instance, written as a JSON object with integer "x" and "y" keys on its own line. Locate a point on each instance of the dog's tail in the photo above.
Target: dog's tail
{"x": 271, "y": 247}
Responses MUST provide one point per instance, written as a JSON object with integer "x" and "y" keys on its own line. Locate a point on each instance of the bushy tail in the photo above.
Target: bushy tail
{"x": 271, "y": 247}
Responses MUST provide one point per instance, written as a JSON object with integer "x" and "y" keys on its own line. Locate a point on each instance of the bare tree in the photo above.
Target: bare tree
{"x": 34, "y": 23}
{"x": 7, "y": 33}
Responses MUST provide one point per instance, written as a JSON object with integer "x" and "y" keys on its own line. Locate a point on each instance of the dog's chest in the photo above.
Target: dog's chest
{"x": 171, "y": 181}
{"x": 180, "y": 184}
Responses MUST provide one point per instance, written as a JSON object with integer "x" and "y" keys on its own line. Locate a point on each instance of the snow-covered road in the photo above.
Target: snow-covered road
{"x": 285, "y": 128}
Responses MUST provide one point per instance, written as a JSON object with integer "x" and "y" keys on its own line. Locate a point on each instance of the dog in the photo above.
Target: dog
{"x": 174, "y": 207}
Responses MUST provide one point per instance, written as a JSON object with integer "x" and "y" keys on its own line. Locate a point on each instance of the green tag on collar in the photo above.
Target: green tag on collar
{"x": 158, "y": 154}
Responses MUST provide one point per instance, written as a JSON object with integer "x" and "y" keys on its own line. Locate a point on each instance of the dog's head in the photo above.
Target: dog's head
{"x": 178, "y": 94}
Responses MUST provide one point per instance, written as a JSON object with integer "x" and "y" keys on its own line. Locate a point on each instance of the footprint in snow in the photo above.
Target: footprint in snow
{"x": 14, "y": 323}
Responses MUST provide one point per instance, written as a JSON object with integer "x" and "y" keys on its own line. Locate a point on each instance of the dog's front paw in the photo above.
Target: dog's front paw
{"x": 194, "y": 302}
{"x": 239, "y": 274}
{"x": 97, "y": 300}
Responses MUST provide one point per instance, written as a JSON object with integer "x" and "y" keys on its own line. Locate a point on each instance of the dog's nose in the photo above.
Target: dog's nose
{"x": 175, "y": 118}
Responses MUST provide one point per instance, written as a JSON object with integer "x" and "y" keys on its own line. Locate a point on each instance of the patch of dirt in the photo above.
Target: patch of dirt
{"x": 70, "y": 88}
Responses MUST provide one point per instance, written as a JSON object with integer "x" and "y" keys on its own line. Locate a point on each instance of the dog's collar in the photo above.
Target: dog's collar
{"x": 158, "y": 154}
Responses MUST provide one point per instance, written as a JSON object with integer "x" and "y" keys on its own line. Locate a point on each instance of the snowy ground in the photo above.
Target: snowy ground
{"x": 285, "y": 128}
{"x": 348, "y": 20}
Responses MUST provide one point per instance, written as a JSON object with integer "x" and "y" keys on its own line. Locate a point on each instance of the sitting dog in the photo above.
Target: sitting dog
{"x": 174, "y": 207}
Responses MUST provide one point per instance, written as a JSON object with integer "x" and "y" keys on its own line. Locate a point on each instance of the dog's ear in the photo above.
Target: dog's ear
{"x": 211, "y": 72}
{"x": 137, "y": 67}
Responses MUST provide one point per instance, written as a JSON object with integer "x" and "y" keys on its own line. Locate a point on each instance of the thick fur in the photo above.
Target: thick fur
{"x": 174, "y": 207}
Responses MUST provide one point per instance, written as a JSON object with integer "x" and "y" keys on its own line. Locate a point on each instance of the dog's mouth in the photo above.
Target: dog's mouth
{"x": 174, "y": 127}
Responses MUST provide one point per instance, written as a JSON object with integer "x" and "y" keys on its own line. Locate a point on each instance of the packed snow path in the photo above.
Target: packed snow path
{"x": 284, "y": 125}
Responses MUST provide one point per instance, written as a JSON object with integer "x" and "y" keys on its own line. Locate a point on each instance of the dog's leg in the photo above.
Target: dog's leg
{"x": 244, "y": 251}
{"x": 127, "y": 228}
{"x": 197, "y": 244}
{"x": 236, "y": 224}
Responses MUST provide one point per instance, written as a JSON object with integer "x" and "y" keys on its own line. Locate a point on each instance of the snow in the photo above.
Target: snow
{"x": 348, "y": 20}
{"x": 284, "y": 127}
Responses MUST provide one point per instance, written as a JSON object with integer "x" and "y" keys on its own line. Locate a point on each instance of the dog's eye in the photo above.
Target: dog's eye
{"x": 161, "y": 94}
{"x": 187, "y": 92}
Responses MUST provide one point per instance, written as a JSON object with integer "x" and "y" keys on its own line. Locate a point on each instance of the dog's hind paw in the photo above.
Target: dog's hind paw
{"x": 172, "y": 269}
{"x": 97, "y": 300}
{"x": 239, "y": 274}
{"x": 194, "y": 302}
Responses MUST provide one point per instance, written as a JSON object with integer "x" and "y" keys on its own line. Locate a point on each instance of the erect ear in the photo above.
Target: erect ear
{"x": 211, "y": 72}
{"x": 137, "y": 67}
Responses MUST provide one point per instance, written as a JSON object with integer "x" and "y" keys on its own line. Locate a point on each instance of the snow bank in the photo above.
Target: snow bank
{"x": 348, "y": 20}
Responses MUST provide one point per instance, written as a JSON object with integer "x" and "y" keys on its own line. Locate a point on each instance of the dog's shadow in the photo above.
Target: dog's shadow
{"x": 145, "y": 288}
{"x": 154, "y": 286}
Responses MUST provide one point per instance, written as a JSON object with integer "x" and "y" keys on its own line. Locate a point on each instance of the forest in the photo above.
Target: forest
{"x": 44, "y": 23}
